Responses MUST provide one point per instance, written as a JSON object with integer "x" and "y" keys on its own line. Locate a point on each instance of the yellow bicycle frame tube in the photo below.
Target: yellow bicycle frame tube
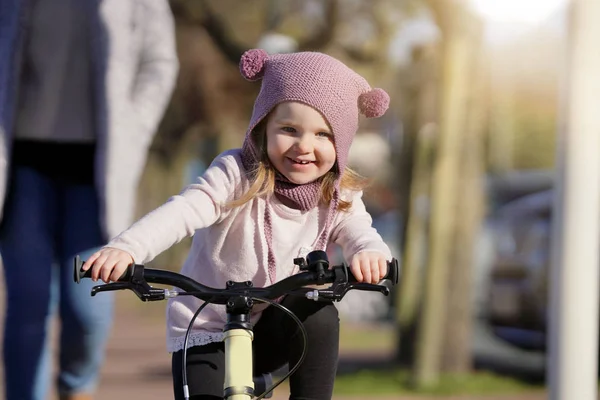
{"x": 239, "y": 384}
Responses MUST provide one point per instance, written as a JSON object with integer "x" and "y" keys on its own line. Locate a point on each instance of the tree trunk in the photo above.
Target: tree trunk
{"x": 415, "y": 249}
{"x": 456, "y": 58}
{"x": 457, "y": 356}
{"x": 414, "y": 196}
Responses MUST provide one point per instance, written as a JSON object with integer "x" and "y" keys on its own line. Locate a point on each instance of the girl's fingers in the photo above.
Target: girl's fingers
{"x": 98, "y": 266}
{"x": 374, "y": 271}
{"x": 355, "y": 269}
{"x": 369, "y": 267}
{"x": 383, "y": 268}
{"x": 108, "y": 264}
{"x": 118, "y": 271}
{"x": 366, "y": 270}
{"x": 90, "y": 261}
{"x": 107, "y": 269}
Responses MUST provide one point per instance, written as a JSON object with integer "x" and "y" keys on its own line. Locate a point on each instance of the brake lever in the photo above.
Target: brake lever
{"x": 341, "y": 286}
{"x": 145, "y": 293}
{"x": 137, "y": 284}
{"x": 337, "y": 292}
{"x": 109, "y": 287}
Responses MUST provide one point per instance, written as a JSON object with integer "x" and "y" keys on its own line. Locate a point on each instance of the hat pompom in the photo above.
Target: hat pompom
{"x": 374, "y": 103}
{"x": 252, "y": 64}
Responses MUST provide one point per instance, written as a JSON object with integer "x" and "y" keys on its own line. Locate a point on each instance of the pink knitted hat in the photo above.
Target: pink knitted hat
{"x": 318, "y": 80}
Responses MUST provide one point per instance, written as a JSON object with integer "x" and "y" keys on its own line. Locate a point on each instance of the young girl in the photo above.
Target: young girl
{"x": 286, "y": 192}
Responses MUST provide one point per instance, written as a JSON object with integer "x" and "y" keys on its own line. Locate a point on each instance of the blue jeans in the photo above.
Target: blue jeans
{"x": 46, "y": 222}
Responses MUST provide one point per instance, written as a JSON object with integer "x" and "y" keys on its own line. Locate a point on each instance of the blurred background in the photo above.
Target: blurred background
{"x": 461, "y": 170}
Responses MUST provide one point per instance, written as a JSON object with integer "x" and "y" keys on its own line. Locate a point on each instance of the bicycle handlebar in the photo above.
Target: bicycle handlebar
{"x": 315, "y": 270}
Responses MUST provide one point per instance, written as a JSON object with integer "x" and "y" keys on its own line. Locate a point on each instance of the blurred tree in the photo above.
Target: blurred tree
{"x": 414, "y": 255}
{"x": 455, "y": 190}
{"x": 517, "y": 134}
{"x": 470, "y": 206}
{"x": 414, "y": 162}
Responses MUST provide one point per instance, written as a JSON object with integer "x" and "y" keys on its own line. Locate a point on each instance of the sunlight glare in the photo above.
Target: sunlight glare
{"x": 525, "y": 11}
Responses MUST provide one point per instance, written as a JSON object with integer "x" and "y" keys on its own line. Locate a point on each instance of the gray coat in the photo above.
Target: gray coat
{"x": 134, "y": 67}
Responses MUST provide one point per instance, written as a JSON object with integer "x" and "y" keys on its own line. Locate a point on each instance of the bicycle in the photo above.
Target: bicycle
{"x": 239, "y": 298}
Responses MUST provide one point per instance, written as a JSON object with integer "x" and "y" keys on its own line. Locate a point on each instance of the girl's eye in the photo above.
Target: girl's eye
{"x": 288, "y": 129}
{"x": 324, "y": 134}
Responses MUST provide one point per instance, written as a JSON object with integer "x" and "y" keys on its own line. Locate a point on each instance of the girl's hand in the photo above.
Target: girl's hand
{"x": 108, "y": 264}
{"x": 368, "y": 266}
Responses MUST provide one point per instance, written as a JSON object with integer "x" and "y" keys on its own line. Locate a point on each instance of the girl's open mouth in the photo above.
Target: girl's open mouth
{"x": 300, "y": 162}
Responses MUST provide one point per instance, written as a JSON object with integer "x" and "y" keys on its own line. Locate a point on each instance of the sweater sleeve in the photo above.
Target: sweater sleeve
{"x": 199, "y": 205}
{"x": 354, "y": 232}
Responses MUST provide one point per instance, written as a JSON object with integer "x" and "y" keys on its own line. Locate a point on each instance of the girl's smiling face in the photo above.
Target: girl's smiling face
{"x": 299, "y": 142}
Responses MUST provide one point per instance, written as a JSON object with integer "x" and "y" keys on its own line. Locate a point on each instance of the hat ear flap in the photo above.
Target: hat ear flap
{"x": 252, "y": 64}
{"x": 374, "y": 103}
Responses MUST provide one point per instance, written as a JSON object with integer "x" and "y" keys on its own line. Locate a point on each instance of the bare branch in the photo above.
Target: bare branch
{"x": 324, "y": 36}
{"x": 216, "y": 29}
{"x": 214, "y": 26}
{"x": 362, "y": 56}
{"x": 273, "y": 15}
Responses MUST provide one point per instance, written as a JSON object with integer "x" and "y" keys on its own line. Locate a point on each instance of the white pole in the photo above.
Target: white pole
{"x": 572, "y": 362}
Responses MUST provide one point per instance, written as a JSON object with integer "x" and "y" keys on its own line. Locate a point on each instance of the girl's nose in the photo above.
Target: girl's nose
{"x": 304, "y": 143}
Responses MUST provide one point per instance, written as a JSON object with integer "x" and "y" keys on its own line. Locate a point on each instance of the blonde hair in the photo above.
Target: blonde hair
{"x": 263, "y": 176}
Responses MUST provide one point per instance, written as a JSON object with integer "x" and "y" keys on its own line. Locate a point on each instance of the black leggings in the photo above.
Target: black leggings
{"x": 277, "y": 341}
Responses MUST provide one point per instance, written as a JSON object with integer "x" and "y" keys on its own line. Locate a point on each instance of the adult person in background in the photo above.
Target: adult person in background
{"x": 83, "y": 86}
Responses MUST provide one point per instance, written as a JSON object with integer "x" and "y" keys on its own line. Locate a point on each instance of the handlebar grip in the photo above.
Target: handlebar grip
{"x": 393, "y": 273}
{"x": 79, "y": 274}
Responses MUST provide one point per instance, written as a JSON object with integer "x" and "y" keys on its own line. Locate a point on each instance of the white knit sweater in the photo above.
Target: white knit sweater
{"x": 229, "y": 244}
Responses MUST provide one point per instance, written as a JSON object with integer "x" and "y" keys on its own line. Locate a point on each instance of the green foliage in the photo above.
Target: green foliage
{"x": 379, "y": 339}
{"x": 368, "y": 337}
{"x": 377, "y": 382}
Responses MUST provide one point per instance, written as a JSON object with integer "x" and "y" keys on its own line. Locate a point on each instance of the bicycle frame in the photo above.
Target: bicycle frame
{"x": 239, "y": 379}
{"x": 240, "y": 382}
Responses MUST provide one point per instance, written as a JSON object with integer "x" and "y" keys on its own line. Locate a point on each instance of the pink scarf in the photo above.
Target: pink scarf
{"x": 304, "y": 197}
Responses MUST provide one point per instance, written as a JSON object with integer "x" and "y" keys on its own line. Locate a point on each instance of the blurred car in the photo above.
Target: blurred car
{"x": 517, "y": 302}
